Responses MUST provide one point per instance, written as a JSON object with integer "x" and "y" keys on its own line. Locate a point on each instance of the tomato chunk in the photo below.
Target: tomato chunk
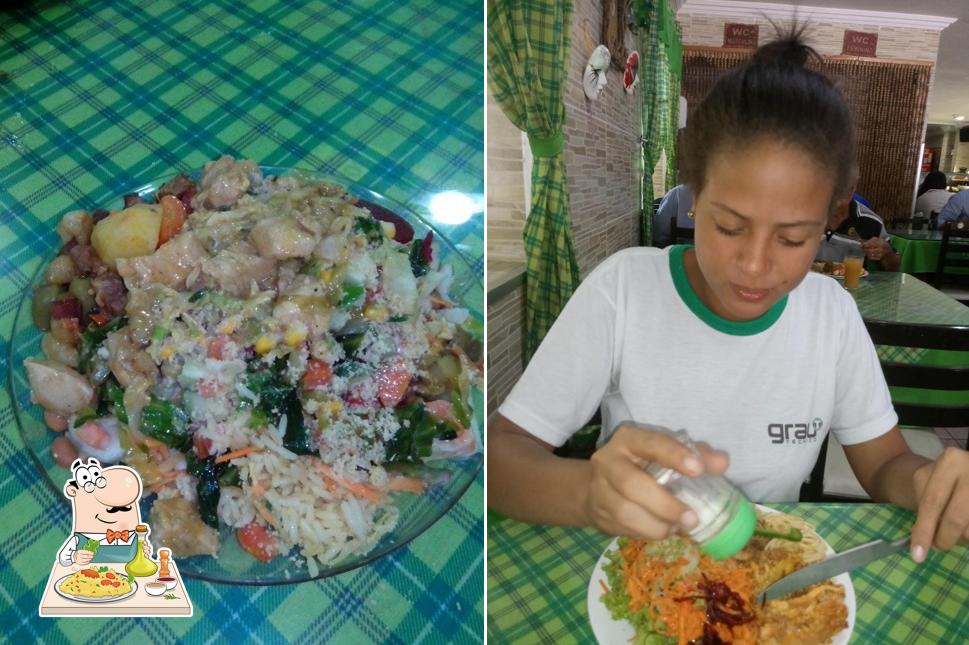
{"x": 257, "y": 540}
{"x": 318, "y": 374}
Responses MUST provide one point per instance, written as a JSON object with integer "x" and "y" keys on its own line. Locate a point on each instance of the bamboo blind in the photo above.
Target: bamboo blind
{"x": 887, "y": 100}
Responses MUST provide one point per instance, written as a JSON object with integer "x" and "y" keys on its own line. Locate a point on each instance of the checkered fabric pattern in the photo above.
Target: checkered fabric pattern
{"x": 538, "y": 576}
{"x": 100, "y": 97}
{"x": 528, "y": 49}
{"x": 659, "y": 91}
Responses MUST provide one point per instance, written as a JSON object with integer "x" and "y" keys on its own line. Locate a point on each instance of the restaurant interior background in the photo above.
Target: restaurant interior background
{"x": 906, "y": 95}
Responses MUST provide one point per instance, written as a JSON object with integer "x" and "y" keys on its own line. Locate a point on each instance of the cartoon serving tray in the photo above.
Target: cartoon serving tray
{"x": 105, "y": 568}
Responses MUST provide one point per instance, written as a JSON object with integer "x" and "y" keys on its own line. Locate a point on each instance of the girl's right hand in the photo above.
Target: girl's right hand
{"x": 623, "y": 500}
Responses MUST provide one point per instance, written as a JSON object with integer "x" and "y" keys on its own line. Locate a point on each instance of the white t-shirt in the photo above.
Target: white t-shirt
{"x": 933, "y": 200}
{"x": 635, "y": 339}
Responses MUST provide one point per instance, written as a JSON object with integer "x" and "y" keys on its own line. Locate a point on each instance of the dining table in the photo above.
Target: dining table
{"x": 538, "y": 578}
{"x": 100, "y": 98}
{"x": 918, "y": 250}
{"x": 905, "y": 300}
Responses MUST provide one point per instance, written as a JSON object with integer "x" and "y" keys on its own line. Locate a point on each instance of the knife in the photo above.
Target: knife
{"x": 840, "y": 563}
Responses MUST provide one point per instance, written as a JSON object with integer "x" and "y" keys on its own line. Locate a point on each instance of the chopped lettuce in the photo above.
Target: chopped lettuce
{"x": 617, "y": 601}
{"x": 418, "y": 430}
{"x": 166, "y": 422}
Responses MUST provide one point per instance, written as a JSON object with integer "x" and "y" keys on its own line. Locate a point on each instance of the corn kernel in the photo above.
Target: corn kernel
{"x": 334, "y": 407}
{"x": 264, "y": 344}
{"x": 166, "y": 352}
{"x": 326, "y": 275}
{"x": 295, "y": 335}
{"x": 376, "y": 312}
{"x": 389, "y": 230}
{"x": 228, "y": 327}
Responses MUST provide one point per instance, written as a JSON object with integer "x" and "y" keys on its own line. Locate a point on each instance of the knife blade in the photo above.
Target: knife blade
{"x": 840, "y": 563}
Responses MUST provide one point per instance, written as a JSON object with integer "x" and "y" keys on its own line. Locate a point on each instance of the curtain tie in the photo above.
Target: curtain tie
{"x": 546, "y": 146}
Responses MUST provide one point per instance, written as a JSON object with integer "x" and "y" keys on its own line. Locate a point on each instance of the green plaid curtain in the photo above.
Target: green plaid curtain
{"x": 659, "y": 70}
{"x": 528, "y": 51}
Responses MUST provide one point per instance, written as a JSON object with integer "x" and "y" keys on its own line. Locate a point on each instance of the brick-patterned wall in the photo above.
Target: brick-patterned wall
{"x": 603, "y": 158}
{"x": 504, "y": 346}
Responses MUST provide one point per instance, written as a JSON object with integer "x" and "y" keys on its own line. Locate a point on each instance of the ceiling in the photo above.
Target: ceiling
{"x": 950, "y": 90}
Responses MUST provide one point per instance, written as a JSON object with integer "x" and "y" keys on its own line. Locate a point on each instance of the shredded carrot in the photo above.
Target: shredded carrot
{"x": 669, "y": 596}
{"x": 602, "y": 584}
{"x": 163, "y": 480}
{"x": 236, "y": 454}
{"x": 405, "y": 484}
{"x": 438, "y": 302}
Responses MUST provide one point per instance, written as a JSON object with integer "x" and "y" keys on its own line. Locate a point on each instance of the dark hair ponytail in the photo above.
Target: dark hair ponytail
{"x": 774, "y": 97}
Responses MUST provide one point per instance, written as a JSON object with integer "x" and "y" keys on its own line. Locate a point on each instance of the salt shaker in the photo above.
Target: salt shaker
{"x": 726, "y": 519}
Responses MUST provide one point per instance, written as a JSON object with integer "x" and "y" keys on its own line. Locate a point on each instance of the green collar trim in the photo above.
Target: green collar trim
{"x": 693, "y": 302}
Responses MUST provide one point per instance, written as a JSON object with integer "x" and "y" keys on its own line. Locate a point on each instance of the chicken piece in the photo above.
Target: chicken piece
{"x": 225, "y": 181}
{"x": 57, "y": 387}
{"x": 235, "y": 269}
{"x": 810, "y": 616}
{"x": 171, "y": 265}
{"x": 283, "y": 238}
{"x": 176, "y": 524}
{"x": 128, "y": 363}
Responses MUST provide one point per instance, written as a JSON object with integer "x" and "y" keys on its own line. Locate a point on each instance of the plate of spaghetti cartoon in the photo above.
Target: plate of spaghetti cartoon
{"x": 96, "y": 584}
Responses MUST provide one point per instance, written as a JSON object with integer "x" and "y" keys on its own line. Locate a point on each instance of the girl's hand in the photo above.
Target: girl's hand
{"x": 942, "y": 487}
{"x": 623, "y": 500}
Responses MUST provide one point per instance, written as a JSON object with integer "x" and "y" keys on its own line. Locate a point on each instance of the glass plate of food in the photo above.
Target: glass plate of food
{"x": 700, "y": 593}
{"x": 291, "y": 362}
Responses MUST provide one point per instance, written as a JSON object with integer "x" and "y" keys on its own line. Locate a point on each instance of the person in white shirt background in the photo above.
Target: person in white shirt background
{"x": 725, "y": 339}
{"x": 932, "y": 194}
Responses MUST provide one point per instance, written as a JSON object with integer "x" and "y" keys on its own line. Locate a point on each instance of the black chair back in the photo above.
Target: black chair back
{"x": 953, "y": 254}
{"x": 927, "y": 377}
{"x": 681, "y": 235}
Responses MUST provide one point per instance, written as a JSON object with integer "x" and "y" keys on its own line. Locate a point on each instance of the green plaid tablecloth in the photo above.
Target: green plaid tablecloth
{"x": 98, "y": 97}
{"x": 538, "y": 577}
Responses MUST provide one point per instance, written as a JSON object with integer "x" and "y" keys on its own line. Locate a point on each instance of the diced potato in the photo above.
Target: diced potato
{"x": 130, "y": 233}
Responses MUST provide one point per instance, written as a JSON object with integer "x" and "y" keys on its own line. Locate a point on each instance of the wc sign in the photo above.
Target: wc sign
{"x": 859, "y": 43}
{"x": 739, "y": 35}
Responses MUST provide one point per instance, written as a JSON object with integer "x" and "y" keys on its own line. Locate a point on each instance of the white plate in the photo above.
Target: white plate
{"x": 70, "y": 596}
{"x": 609, "y": 631}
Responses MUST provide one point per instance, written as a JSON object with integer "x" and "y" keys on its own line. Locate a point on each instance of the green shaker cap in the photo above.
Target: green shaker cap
{"x": 734, "y": 536}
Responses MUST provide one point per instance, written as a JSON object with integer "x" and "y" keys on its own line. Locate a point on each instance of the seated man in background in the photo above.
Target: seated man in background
{"x": 853, "y": 225}
{"x": 956, "y": 209}
{"x": 679, "y": 202}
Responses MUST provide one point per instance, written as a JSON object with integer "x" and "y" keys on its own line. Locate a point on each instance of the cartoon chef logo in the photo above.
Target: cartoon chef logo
{"x": 106, "y": 514}
{"x": 105, "y": 567}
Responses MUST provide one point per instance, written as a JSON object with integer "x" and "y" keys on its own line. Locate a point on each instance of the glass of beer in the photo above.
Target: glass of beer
{"x": 854, "y": 261}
